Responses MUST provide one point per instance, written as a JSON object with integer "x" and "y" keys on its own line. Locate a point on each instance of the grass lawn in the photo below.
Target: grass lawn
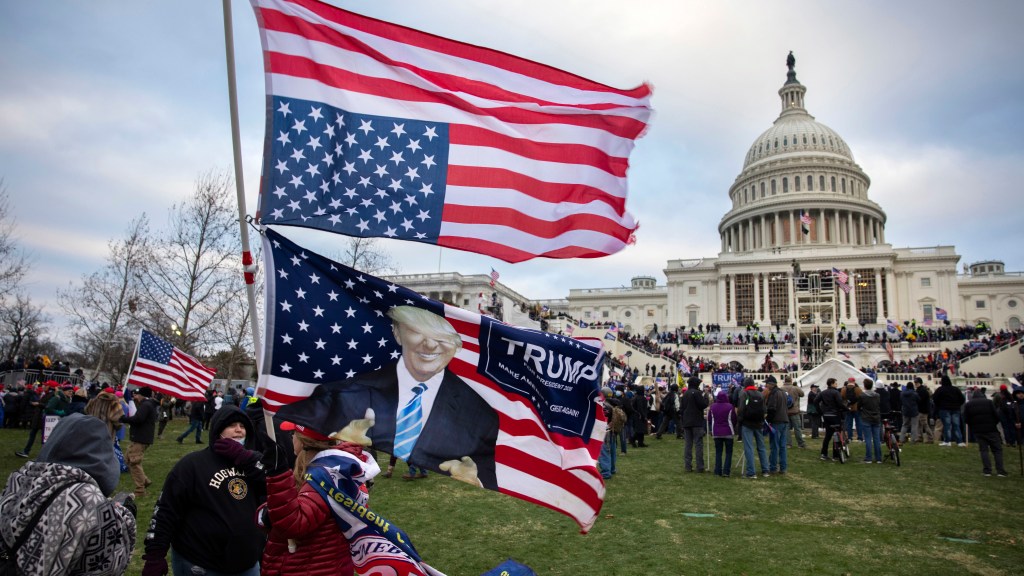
{"x": 936, "y": 514}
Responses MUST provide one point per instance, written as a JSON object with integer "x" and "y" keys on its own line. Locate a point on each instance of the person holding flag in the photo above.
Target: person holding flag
{"x": 303, "y": 535}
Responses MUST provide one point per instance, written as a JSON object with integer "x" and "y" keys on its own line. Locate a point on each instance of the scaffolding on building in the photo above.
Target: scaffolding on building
{"x": 815, "y": 306}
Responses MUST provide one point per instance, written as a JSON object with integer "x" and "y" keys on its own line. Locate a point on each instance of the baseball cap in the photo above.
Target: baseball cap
{"x": 288, "y": 426}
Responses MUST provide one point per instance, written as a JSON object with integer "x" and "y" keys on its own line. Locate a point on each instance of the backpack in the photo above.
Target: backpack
{"x": 789, "y": 401}
{"x": 618, "y": 419}
{"x": 753, "y": 408}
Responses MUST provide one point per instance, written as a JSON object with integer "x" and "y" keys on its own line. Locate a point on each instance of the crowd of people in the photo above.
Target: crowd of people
{"x": 767, "y": 418}
{"x": 242, "y": 475}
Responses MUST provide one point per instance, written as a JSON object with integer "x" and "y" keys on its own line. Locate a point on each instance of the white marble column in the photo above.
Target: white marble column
{"x": 766, "y": 313}
{"x": 878, "y": 295}
{"x": 890, "y": 291}
{"x": 842, "y": 315}
{"x": 757, "y": 297}
{"x": 732, "y": 299}
{"x": 854, "y": 320}
{"x": 789, "y": 294}
{"x": 721, "y": 301}
{"x": 863, "y": 236}
{"x": 792, "y": 229}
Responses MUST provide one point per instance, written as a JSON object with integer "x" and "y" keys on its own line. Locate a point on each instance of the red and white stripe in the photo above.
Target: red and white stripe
{"x": 538, "y": 156}
{"x": 184, "y": 377}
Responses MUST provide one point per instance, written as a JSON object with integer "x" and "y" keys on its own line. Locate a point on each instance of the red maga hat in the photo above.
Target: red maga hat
{"x": 305, "y": 431}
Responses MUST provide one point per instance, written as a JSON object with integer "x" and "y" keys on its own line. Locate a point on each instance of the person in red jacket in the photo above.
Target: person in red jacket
{"x": 304, "y": 536}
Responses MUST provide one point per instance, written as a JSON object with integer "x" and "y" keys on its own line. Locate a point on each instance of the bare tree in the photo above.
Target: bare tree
{"x": 234, "y": 334}
{"x": 21, "y": 322}
{"x": 101, "y": 307}
{"x": 366, "y": 255}
{"x": 14, "y": 263}
{"x": 195, "y": 269}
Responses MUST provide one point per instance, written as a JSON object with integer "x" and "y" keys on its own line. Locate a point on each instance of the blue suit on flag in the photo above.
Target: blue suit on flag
{"x": 460, "y": 423}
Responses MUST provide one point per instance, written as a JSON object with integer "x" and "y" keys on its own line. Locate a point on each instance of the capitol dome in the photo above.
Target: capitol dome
{"x": 795, "y": 133}
{"x": 799, "y": 186}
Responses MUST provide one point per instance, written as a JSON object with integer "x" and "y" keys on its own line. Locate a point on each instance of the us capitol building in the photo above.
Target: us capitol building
{"x": 768, "y": 270}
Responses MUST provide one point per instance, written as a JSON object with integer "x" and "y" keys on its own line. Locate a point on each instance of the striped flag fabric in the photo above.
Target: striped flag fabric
{"x": 684, "y": 366}
{"x": 494, "y": 276}
{"x": 941, "y": 314}
{"x": 163, "y": 367}
{"x": 889, "y": 351}
{"x": 842, "y": 279}
{"x": 326, "y": 323}
{"x": 805, "y": 222}
{"x": 378, "y": 130}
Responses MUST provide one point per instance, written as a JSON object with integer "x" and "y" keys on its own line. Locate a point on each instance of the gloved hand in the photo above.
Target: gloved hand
{"x": 236, "y": 453}
{"x": 275, "y": 459}
{"x": 355, "y": 431}
{"x": 462, "y": 469}
{"x": 155, "y": 567}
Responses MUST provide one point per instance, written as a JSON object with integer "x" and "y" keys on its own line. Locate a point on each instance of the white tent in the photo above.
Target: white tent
{"x": 831, "y": 368}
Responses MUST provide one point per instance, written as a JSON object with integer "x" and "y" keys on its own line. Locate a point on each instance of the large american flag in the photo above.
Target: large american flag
{"x": 379, "y": 130}
{"x": 164, "y": 368}
{"x": 326, "y": 322}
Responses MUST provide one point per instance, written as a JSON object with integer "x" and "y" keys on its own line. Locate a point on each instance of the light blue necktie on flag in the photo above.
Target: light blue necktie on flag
{"x": 410, "y": 424}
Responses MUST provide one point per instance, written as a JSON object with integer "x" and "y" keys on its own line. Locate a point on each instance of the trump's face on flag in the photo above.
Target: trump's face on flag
{"x": 428, "y": 341}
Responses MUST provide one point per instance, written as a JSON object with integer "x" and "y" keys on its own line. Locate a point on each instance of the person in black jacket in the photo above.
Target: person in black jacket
{"x": 639, "y": 416}
{"x": 981, "y": 416}
{"x": 141, "y": 434}
{"x": 831, "y": 405}
{"x": 948, "y": 401}
{"x": 670, "y": 412}
{"x": 692, "y": 405}
{"x": 206, "y": 512}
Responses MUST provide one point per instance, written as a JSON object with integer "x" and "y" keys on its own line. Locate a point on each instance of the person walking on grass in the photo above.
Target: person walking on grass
{"x": 142, "y": 433}
{"x": 796, "y": 421}
{"x": 195, "y": 422}
{"x": 871, "y": 419}
{"x": 778, "y": 420}
{"x": 692, "y": 405}
{"x": 830, "y": 403}
{"x": 723, "y": 425}
{"x": 911, "y": 429}
{"x": 981, "y": 415}
{"x": 750, "y": 413}
{"x": 948, "y": 401}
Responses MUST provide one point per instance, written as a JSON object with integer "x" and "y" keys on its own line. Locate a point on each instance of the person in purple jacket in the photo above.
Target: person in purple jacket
{"x": 723, "y": 425}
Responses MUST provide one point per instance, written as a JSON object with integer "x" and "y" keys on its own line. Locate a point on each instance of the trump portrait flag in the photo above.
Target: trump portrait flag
{"x": 505, "y": 408}
{"x": 378, "y": 130}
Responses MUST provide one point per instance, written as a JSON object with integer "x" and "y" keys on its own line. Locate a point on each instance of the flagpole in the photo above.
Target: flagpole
{"x": 249, "y": 267}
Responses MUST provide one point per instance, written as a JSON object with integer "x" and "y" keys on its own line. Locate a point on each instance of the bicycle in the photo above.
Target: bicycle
{"x": 840, "y": 443}
{"x": 890, "y": 437}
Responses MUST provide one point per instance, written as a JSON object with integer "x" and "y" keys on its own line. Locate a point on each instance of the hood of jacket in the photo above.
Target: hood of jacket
{"x": 227, "y": 415}
{"x": 83, "y": 442}
{"x": 721, "y": 398}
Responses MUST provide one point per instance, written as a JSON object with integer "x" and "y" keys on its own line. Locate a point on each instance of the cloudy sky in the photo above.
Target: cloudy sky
{"x": 112, "y": 108}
